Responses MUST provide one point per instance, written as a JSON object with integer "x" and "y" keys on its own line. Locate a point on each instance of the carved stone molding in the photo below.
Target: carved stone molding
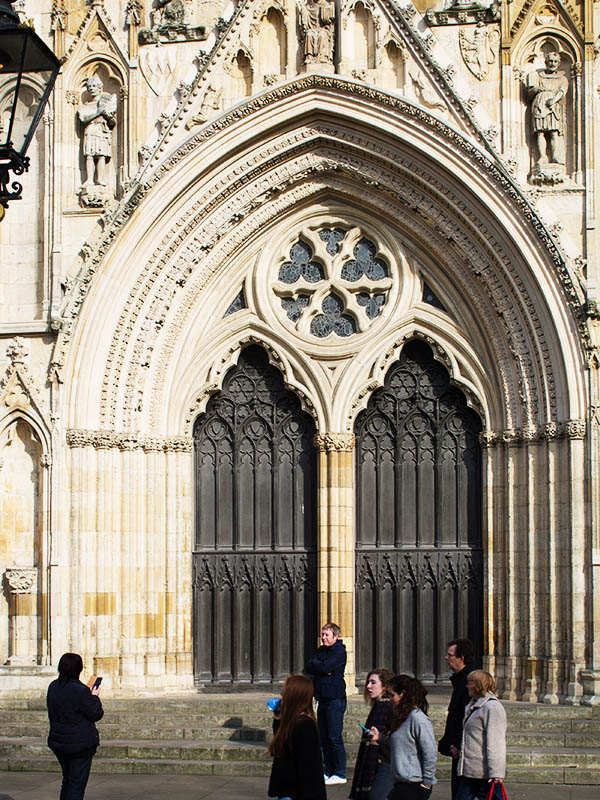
{"x": 461, "y": 13}
{"x": 571, "y": 429}
{"x": 21, "y": 580}
{"x": 338, "y": 442}
{"x": 106, "y": 440}
{"x": 575, "y": 429}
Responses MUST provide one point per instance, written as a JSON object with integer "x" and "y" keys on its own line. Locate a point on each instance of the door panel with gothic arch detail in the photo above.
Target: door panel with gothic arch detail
{"x": 419, "y": 558}
{"x": 255, "y": 555}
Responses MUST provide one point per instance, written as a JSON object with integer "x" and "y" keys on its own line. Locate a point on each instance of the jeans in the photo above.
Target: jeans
{"x": 382, "y": 782}
{"x": 76, "y": 771}
{"x": 330, "y": 718}
{"x": 477, "y": 789}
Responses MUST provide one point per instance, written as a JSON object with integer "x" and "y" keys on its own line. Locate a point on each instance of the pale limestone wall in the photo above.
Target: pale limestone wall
{"x": 224, "y": 148}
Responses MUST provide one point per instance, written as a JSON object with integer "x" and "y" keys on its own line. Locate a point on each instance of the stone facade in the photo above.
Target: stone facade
{"x": 148, "y": 251}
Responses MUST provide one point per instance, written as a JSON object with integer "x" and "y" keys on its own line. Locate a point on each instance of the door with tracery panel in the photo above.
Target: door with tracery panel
{"x": 255, "y": 555}
{"x": 419, "y": 558}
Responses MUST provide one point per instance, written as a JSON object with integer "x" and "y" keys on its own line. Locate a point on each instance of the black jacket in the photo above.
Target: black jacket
{"x": 456, "y": 711}
{"x": 369, "y": 752}
{"x": 299, "y": 774}
{"x": 326, "y": 668}
{"x": 72, "y": 711}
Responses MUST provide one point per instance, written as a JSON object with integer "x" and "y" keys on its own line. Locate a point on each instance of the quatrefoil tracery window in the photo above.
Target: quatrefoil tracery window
{"x": 333, "y": 281}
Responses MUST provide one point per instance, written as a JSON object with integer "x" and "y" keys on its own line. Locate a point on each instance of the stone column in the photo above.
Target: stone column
{"x": 336, "y": 538}
{"x": 22, "y": 587}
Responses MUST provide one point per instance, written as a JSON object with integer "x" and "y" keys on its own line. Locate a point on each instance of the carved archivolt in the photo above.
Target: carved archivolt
{"x": 286, "y": 173}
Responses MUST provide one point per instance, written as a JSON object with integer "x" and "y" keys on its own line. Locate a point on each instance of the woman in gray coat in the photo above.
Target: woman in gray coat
{"x": 482, "y": 758}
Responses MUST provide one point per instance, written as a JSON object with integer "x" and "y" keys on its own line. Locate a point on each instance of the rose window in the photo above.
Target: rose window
{"x": 332, "y": 282}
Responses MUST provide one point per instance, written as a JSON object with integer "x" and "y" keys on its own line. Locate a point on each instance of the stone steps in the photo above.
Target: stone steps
{"x": 228, "y": 735}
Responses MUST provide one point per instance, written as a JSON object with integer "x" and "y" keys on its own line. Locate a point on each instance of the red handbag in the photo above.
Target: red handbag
{"x": 502, "y": 790}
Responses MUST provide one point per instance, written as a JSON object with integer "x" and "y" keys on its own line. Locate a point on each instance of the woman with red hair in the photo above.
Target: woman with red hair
{"x": 297, "y": 772}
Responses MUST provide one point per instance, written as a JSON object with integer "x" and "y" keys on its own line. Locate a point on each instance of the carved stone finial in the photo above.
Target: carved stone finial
{"x": 133, "y": 13}
{"x": 16, "y": 351}
{"x": 58, "y": 16}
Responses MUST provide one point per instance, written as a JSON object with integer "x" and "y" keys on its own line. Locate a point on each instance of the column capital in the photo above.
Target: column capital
{"x": 338, "y": 442}
{"x": 20, "y": 580}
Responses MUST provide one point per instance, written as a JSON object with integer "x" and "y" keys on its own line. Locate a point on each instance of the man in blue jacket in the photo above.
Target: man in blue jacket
{"x": 326, "y": 668}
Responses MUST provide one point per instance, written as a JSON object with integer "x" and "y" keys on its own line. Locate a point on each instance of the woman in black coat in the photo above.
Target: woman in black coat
{"x": 297, "y": 772}
{"x": 372, "y": 776}
{"x": 73, "y": 708}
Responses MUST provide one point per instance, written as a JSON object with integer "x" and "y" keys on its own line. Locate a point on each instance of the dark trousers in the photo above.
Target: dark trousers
{"x": 330, "y": 718}
{"x": 76, "y": 771}
{"x": 455, "y": 778}
{"x": 477, "y": 789}
{"x": 409, "y": 791}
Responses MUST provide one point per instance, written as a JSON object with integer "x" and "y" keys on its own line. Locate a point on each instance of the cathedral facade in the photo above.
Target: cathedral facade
{"x": 299, "y": 322}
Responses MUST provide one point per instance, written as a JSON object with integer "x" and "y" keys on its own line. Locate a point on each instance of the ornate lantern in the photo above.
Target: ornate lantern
{"x": 28, "y": 70}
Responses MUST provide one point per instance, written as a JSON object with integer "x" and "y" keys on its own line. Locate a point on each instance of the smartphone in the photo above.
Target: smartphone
{"x": 366, "y": 730}
{"x": 97, "y": 682}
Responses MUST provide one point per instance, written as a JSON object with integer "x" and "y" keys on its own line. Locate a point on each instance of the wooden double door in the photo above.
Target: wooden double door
{"x": 255, "y": 555}
{"x": 419, "y": 559}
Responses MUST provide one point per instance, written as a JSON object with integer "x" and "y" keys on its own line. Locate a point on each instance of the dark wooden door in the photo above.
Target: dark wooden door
{"x": 419, "y": 567}
{"x": 255, "y": 559}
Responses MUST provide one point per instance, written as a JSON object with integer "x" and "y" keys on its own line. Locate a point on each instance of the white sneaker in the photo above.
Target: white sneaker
{"x": 333, "y": 780}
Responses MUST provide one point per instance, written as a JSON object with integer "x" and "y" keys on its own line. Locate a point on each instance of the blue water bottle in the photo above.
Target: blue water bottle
{"x": 273, "y": 703}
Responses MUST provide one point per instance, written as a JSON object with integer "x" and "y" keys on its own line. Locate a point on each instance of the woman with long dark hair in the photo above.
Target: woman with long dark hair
{"x": 372, "y": 777}
{"x": 73, "y": 708}
{"x": 297, "y": 772}
{"x": 412, "y": 746}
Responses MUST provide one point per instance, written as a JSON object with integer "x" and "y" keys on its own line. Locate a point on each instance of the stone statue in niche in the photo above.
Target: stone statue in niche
{"x": 546, "y": 89}
{"x": 98, "y": 118}
{"x": 317, "y": 21}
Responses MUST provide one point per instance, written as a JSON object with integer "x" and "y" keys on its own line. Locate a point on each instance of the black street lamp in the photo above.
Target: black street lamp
{"x": 28, "y": 70}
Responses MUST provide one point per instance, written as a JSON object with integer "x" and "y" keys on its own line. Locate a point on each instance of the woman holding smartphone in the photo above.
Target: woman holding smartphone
{"x": 411, "y": 745}
{"x": 372, "y": 777}
{"x": 297, "y": 772}
{"x": 73, "y": 708}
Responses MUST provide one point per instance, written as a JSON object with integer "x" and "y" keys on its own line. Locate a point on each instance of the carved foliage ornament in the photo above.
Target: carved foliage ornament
{"x": 105, "y": 440}
{"x": 21, "y": 580}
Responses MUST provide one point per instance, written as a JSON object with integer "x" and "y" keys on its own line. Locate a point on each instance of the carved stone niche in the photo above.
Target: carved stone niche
{"x": 551, "y": 91}
{"x": 21, "y": 587}
{"x": 99, "y": 123}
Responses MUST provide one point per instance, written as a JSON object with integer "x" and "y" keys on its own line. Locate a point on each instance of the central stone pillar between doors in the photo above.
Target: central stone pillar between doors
{"x": 336, "y": 538}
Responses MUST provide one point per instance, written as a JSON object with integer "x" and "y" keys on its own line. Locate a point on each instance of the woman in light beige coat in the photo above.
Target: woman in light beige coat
{"x": 482, "y": 758}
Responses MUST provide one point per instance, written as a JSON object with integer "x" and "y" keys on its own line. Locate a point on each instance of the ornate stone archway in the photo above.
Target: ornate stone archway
{"x": 163, "y": 276}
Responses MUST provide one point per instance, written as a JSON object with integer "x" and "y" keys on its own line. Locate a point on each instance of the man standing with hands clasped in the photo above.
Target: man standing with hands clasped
{"x": 460, "y": 658}
{"x": 326, "y": 668}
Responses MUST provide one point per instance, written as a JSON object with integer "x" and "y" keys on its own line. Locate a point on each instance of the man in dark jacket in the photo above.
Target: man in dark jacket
{"x": 73, "y": 708}
{"x": 460, "y": 658}
{"x": 326, "y": 668}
